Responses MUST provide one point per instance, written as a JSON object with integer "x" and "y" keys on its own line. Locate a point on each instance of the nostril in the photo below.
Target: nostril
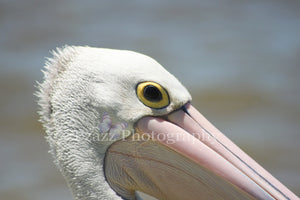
{"x": 185, "y": 110}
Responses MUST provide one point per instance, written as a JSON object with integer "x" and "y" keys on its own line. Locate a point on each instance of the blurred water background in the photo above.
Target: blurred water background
{"x": 239, "y": 59}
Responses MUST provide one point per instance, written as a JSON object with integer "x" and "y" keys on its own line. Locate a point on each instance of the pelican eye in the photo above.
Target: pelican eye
{"x": 152, "y": 95}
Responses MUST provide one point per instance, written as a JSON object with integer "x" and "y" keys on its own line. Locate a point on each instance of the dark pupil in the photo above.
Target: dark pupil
{"x": 151, "y": 93}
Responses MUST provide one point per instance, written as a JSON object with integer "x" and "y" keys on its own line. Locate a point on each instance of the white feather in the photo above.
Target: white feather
{"x": 80, "y": 84}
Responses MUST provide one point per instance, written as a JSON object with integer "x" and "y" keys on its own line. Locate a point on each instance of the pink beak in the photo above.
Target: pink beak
{"x": 199, "y": 161}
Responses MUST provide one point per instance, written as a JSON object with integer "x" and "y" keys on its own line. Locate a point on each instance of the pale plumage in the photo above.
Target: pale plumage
{"x": 92, "y": 93}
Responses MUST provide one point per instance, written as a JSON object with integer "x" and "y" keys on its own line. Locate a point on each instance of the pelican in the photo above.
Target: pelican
{"x": 117, "y": 123}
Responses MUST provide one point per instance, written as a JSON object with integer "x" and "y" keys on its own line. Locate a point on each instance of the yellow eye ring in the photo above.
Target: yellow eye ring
{"x": 152, "y": 94}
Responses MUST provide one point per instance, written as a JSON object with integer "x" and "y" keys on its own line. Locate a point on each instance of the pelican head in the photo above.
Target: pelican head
{"x": 117, "y": 122}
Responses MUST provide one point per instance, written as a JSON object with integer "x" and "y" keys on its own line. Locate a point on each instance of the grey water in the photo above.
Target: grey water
{"x": 239, "y": 59}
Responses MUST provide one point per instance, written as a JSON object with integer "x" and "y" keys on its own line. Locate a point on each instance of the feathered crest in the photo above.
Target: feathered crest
{"x": 53, "y": 68}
